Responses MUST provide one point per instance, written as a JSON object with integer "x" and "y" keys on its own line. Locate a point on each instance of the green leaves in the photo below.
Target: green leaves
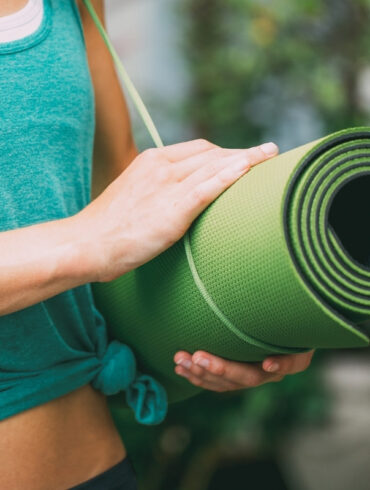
{"x": 313, "y": 49}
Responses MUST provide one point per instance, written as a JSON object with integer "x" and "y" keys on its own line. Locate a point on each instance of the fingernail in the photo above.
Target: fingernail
{"x": 269, "y": 148}
{"x": 273, "y": 367}
{"x": 202, "y": 362}
{"x": 185, "y": 374}
{"x": 185, "y": 363}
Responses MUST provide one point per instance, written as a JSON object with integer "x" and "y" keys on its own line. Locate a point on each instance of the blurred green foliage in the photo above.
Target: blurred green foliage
{"x": 254, "y": 61}
{"x": 281, "y": 70}
{"x": 204, "y": 428}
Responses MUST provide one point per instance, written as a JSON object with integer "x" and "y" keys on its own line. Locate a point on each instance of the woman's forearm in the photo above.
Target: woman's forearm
{"x": 40, "y": 261}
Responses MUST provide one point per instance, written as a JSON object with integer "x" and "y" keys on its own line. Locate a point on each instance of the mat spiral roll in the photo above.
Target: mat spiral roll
{"x": 279, "y": 263}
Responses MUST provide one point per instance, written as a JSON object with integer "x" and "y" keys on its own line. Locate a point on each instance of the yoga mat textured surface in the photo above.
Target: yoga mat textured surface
{"x": 279, "y": 263}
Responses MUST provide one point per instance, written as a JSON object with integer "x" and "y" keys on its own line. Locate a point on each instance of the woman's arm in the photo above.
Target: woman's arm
{"x": 119, "y": 230}
{"x": 40, "y": 261}
{"x": 114, "y": 146}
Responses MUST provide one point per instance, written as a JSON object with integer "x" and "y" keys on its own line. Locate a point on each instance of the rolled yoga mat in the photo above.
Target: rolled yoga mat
{"x": 278, "y": 264}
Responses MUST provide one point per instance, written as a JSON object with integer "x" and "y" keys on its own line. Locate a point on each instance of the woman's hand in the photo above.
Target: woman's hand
{"x": 214, "y": 373}
{"x": 152, "y": 203}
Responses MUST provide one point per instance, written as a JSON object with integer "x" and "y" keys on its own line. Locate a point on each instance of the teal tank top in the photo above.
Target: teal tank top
{"x": 47, "y": 124}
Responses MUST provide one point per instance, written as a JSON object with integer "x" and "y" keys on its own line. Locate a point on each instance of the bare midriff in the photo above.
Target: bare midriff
{"x": 59, "y": 444}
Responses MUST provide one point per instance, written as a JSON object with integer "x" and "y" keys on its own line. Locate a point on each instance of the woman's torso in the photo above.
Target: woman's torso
{"x": 61, "y": 443}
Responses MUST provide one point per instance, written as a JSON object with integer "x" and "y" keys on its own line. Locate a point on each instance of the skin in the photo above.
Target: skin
{"x": 73, "y": 437}
{"x": 8, "y": 7}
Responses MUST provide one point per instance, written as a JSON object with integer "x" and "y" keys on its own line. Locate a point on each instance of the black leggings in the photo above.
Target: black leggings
{"x": 119, "y": 477}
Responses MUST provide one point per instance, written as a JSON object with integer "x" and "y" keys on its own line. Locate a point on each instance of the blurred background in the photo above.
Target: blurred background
{"x": 239, "y": 73}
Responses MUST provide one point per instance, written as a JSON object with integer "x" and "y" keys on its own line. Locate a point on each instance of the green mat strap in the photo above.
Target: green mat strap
{"x": 126, "y": 79}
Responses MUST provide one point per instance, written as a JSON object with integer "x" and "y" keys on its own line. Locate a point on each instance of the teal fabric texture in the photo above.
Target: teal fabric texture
{"x": 47, "y": 124}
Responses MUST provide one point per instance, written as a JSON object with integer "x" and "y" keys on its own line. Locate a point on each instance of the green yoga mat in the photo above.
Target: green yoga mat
{"x": 279, "y": 263}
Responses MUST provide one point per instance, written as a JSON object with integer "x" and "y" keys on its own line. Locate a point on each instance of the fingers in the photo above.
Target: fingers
{"x": 186, "y": 149}
{"x": 245, "y": 374}
{"x": 209, "y": 164}
{"x": 199, "y": 197}
{"x": 199, "y": 376}
{"x": 214, "y": 373}
{"x": 288, "y": 364}
{"x": 217, "y": 374}
{"x": 207, "y": 183}
{"x": 215, "y": 155}
{"x": 205, "y": 381}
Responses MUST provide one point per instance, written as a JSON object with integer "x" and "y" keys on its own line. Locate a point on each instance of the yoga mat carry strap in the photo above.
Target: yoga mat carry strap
{"x": 134, "y": 94}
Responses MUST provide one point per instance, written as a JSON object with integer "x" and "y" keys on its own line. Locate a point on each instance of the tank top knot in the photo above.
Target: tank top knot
{"x": 146, "y": 397}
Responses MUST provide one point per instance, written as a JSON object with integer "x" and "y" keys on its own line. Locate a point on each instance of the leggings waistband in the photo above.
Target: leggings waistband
{"x": 119, "y": 477}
